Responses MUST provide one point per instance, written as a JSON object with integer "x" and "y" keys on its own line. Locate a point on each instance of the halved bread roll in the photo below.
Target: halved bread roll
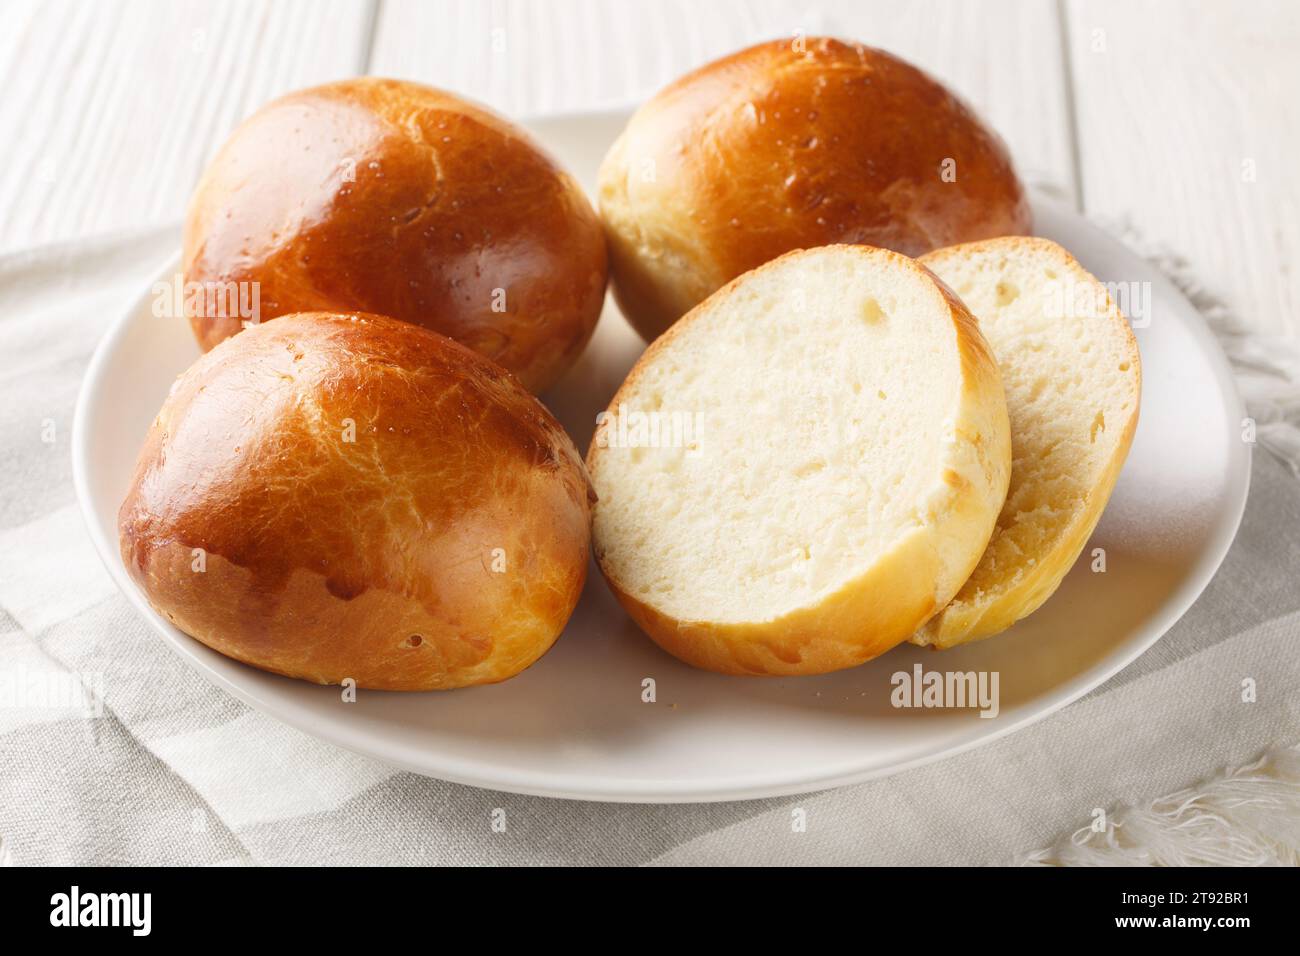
{"x": 797, "y": 475}
{"x": 1073, "y": 380}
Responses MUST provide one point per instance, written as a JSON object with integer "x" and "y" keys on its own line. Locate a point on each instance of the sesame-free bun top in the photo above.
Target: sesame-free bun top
{"x": 391, "y": 197}
{"x": 334, "y": 496}
{"x": 789, "y": 145}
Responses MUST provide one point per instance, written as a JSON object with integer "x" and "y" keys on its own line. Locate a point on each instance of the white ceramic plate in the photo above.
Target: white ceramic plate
{"x": 574, "y": 725}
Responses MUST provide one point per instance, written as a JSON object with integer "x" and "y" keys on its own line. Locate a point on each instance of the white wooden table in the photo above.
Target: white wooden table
{"x": 1174, "y": 118}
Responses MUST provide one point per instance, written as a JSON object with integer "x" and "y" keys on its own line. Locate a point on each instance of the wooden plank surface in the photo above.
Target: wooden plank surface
{"x": 526, "y": 58}
{"x": 1185, "y": 126}
{"x": 1190, "y": 138}
{"x": 112, "y": 107}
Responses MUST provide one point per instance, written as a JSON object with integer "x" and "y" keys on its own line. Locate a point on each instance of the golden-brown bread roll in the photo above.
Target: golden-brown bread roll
{"x": 391, "y": 197}
{"x": 334, "y": 496}
{"x": 789, "y": 145}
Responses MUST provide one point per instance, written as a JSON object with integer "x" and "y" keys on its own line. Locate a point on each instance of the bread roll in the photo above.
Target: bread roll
{"x": 391, "y": 197}
{"x": 1073, "y": 380}
{"x": 803, "y": 470}
{"x": 788, "y": 145}
{"x": 333, "y": 496}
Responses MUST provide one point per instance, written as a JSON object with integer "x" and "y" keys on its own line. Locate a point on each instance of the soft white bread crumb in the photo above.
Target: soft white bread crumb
{"x": 846, "y": 456}
{"x": 1073, "y": 379}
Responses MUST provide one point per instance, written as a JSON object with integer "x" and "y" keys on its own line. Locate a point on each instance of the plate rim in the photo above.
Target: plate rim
{"x": 497, "y": 776}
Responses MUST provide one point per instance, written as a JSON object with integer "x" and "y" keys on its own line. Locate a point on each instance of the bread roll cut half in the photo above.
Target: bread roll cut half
{"x": 802, "y": 471}
{"x": 1073, "y": 381}
{"x": 336, "y": 496}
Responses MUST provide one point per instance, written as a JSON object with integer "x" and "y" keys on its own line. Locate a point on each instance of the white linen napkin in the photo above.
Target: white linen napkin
{"x": 172, "y": 770}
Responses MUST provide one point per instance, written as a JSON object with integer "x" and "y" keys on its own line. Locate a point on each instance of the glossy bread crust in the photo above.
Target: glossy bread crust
{"x": 776, "y": 148}
{"x": 336, "y": 496}
{"x": 391, "y": 197}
